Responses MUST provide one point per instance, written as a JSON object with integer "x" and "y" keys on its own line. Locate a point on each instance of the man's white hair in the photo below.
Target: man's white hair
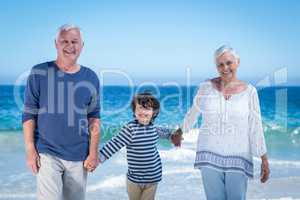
{"x": 67, "y": 27}
{"x": 226, "y": 49}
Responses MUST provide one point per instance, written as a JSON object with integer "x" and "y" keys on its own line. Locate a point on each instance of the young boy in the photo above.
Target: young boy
{"x": 140, "y": 136}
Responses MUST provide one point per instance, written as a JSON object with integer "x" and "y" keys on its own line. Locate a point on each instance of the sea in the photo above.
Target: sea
{"x": 280, "y": 109}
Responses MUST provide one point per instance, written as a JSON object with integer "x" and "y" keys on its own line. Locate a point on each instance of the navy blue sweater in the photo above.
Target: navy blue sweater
{"x": 61, "y": 104}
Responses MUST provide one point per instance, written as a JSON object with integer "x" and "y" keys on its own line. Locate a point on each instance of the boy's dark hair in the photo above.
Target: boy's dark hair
{"x": 147, "y": 100}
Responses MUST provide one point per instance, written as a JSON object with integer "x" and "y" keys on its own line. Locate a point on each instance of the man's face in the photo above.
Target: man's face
{"x": 69, "y": 45}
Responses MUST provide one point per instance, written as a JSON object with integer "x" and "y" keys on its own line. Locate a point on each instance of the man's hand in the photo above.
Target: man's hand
{"x": 265, "y": 171}
{"x": 176, "y": 137}
{"x": 33, "y": 160}
{"x": 91, "y": 162}
{"x": 32, "y": 156}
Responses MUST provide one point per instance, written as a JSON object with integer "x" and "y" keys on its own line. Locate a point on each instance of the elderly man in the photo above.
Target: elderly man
{"x": 61, "y": 120}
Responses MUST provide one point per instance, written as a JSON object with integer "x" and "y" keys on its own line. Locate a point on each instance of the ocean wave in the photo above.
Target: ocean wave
{"x": 177, "y": 173}
{"x": 281, "y": 163}
{"x": 18, "y": 196}
{"x": 110, "y": 182}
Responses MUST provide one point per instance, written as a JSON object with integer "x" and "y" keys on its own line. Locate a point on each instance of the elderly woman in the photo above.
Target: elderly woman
{"x": 231, "y": 132}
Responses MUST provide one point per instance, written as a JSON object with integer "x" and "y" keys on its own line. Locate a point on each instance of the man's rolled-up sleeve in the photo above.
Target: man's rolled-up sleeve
{"x": 94, "y": 106}
{"x": 31, "y": 98}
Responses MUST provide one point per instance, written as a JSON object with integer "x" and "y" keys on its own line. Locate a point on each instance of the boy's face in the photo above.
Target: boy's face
{"x": 143, "y": 115}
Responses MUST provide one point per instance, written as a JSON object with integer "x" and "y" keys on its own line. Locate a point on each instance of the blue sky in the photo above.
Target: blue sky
{"x": 148, "y": 39}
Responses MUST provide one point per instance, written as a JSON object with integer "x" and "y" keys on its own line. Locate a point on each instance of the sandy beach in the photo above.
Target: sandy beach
{"x": 180, "y": 179}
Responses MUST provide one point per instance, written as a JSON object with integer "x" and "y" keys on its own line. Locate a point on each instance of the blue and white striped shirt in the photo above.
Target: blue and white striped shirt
{"x": 144, "y": 164}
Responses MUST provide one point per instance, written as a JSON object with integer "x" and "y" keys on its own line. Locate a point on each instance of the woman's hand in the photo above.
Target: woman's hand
{"x": 265, "y": 170}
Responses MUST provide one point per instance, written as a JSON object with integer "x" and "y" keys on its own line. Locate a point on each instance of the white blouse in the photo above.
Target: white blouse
{"x": 231, "y": 131}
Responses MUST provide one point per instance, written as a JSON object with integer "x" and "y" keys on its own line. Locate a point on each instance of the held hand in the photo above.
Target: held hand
{"x": 91, "y": 163}
{"x": 176, "y": 137}
{"x": 33, "y": 160}
{"x": 265, "y": 171}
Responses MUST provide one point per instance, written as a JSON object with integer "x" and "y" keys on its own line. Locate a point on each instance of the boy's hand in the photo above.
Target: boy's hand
{"x": 176, "y": 137}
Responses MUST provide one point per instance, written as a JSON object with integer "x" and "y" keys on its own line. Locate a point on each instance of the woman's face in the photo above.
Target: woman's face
{"x": 227, "y": 66}
{"x": 143, "y": 115}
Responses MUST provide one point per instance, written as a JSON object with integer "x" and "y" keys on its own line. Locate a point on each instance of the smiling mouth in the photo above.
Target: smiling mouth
{"x": 226, "y": 73}
{"x": 143, "y": 116}
{"x": 69, "y": 52}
